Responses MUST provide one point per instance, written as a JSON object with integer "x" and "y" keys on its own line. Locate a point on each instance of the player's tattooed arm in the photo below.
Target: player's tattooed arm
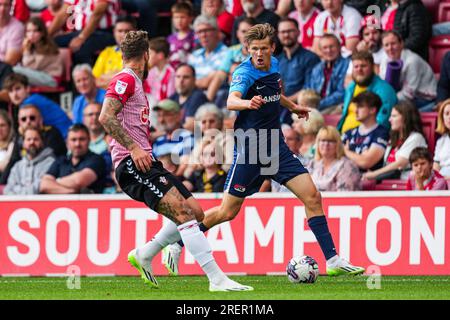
{"x": 108, "y": 118}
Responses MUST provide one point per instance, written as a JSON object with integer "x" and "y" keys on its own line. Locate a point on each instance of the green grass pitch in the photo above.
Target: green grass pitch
{"x": 196, "y": 288}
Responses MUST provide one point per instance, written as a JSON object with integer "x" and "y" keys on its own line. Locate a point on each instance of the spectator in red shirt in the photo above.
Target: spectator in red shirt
{"x": 48, "y": 14}
{"x": 225, "y": 20}
{"x": 422, "y": 176}
{"x": 91, "y": 23}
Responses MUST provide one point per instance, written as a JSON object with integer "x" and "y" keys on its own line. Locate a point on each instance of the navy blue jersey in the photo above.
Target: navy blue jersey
{"x": 251, "y": 82}
{"x": 360, "y": 142}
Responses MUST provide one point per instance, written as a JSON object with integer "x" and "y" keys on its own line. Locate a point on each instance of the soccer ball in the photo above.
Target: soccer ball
{"x": 302, "y": 269}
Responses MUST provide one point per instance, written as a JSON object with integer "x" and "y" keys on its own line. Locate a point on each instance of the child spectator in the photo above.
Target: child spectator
{"x": 308, "y": 130}
{"x": 422, "y": 176}
{"x": 182, "y": 42}
{"x": 161, "y": 76}
{"x": 442, "y": 153}
{"x": 211, "y": 178}
{"x": 41, "y": 61}
{"x": 308, "y": 98}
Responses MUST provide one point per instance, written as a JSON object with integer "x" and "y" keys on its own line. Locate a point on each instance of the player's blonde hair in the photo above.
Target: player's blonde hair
{"x": 310, "y": 97}
{"x": 260, "y": 32}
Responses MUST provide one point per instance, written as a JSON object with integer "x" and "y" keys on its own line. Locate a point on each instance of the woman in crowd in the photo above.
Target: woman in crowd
{"x": 6, "y": 139}
{"x": 330, "y": 169}
{"x": 442, "y": 151}
{"x": 406, "y": 135}
{"x": 41, "y": 61}
{"x": 417, "y": 81}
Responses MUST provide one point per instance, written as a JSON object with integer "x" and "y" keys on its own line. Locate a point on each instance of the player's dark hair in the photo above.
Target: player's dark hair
{"x": 127, "y": 19}
{"x": 159, "y": 45}
{"x": 186, "y": 65}
{"x": 78, "y": 127}
{"x": 287, "y": 19}
{"x": 134, "y": 45}
{"x": 420, "y": 153}
{"x": 260, "y": 32}
{"x": 183, "y": 7}
{"x": 411, "y": 123}
{"x": 13, "y": 79}
{"x": 363, "y": 55}
{"x": 370, "y": 99}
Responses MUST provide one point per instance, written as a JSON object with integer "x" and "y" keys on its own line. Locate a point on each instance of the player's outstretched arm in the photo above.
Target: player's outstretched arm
{"x": 301, "y": 112}
{"x": 108, "y": 118}
{"x": 235, "y": 102}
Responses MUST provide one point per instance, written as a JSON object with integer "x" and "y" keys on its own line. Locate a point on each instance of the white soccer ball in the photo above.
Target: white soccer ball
{"x": 302, "y": 269}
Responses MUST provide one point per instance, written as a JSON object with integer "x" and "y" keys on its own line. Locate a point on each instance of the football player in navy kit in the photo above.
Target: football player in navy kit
{"x": 255, "y": 92}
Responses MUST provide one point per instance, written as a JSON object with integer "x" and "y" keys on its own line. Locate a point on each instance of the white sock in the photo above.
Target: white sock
{"x": 165, "y": 236}
{"x": 195, "y": 241}
{"x": 333, "y": 260}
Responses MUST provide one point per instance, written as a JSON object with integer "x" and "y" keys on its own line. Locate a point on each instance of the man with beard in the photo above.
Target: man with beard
{"x": 370, "y": 35}
{"x": 365, "y": 79}
{"x": 295, "y": 63}
{"x": 26, "y": 174}
{"x": 254, "y": 9}
{"x": 187, "y": 95}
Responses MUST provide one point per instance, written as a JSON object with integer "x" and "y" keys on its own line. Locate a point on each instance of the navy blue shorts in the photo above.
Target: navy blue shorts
{"x": 245, "y": 179}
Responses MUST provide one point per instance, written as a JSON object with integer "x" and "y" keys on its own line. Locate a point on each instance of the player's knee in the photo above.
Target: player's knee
{"x": 229, "y": 215}
{"x": 314, "y": 200}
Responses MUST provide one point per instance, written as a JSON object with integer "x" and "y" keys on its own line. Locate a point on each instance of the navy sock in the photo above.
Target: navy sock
{"x": 202, "y": 228}
{"x": 319, "y": 227}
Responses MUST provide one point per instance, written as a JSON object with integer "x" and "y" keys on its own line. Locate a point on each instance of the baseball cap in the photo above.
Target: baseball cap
{"x": 167, "y": 105}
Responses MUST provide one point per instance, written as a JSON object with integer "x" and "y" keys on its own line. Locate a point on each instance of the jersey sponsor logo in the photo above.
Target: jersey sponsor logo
{"x": 239, "y": 188}
{"x": 145, "y": 114}
{"x": 274, "y": 98}
{"x": 236, "y": 79}
{"x": 260, "y": 87}
{"x": 121, "y": 87}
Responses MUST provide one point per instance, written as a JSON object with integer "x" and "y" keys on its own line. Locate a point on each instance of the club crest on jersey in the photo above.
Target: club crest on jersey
{"x": 145, "y": 114}
{"x": 163, "y": 180}
{"x": 239, "y": 188}
{"x": 236, "y": 79}
{"x": 121, "y": 87}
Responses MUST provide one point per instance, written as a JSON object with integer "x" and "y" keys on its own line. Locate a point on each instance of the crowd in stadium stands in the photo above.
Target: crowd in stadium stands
{"x": 378, "y": 87}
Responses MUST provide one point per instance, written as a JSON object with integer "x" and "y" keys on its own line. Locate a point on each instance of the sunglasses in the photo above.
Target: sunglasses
{"x": 32, "y": 118}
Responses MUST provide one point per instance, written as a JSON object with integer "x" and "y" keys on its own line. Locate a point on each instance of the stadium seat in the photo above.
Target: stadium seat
{"x": 332, "y": 119}
{"x": 66, "y": 55}
{"x": 433, "y": 7}
{"x": 438, "y": 47}
{"x": 429, "y": 123}
{"x": 391, "y": 185}
{"x": 444, "y": 12}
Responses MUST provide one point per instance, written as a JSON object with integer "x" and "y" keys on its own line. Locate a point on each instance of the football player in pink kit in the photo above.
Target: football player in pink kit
{"x": 125, "y": 116}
